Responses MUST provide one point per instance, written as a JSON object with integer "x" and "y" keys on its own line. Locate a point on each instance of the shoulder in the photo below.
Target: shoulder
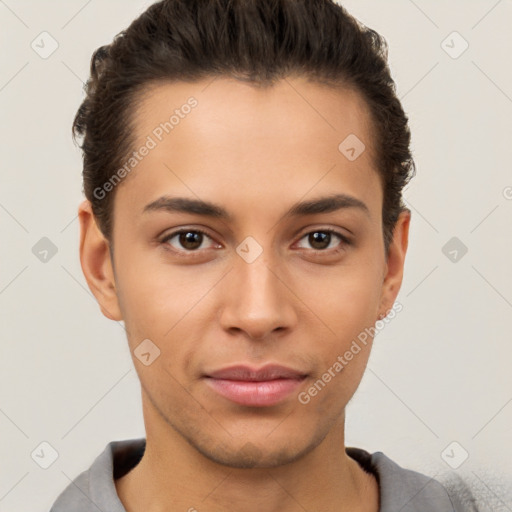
{"x": 482, "y": 488}
{"x": 76, "y": 496}
{"x": 411, "y": 491}
{"x": 94, "y": 488}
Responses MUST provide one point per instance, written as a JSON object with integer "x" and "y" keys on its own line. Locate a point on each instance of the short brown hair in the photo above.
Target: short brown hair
{"x": 253, "y": 40}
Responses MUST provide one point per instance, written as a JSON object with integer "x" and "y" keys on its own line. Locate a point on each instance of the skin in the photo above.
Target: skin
{"x": 255, "y": 152}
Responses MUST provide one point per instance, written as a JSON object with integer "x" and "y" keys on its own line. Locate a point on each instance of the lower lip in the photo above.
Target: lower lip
{"x": 255, "y": 394}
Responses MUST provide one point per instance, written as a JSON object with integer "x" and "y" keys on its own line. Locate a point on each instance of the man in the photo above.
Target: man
{"x": 244, "y": 162}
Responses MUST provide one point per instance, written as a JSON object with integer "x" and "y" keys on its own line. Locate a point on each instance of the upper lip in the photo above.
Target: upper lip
{"x": 248, "y": 373}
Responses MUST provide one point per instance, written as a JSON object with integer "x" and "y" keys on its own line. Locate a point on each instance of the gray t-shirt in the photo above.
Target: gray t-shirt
{"x": 400, "y": 489}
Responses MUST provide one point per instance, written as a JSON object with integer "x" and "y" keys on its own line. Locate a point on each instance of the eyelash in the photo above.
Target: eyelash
{"x": 345, "y": 241}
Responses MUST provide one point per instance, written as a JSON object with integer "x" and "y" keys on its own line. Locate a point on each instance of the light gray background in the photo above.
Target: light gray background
{"x": 439, "y": 372}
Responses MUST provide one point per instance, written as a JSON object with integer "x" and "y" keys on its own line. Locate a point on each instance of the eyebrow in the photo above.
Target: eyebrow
{"x": 327, "y": 204}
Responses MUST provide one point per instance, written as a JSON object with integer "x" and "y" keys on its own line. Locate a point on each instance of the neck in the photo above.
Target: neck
{"x": 172, "y": 471}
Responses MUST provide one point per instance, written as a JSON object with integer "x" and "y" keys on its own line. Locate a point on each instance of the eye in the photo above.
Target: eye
{"x": 321, "y": 239}
{"x": 189, "y": 240}
{"x": 192, "y": 240}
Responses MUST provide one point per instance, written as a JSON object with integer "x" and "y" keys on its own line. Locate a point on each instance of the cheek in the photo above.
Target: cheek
{"x": 154, "y": 297}
{"x": 345, "y": 298}
{"x": 347, "y": 307}
{"x": 343, "y": 363}
{"x": 164, "y": 304}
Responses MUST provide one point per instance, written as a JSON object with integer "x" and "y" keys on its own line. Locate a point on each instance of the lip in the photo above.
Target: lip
{"x": 255, "y": 387}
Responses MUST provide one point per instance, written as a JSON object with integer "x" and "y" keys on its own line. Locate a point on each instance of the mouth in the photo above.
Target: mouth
{"x": 253, "y": 387}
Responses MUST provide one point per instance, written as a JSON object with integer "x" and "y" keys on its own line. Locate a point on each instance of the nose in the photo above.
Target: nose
{"x": 258, "y": 300}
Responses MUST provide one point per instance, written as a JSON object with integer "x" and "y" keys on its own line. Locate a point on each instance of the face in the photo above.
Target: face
{"x": 273, "y": 256}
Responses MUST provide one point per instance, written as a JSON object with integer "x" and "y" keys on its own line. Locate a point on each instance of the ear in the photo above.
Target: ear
{"x": 395, "y": 263}
{"x": 96, "y": 263}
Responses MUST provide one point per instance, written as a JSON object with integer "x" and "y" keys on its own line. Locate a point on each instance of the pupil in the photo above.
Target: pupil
{"x": 190, "y": 240}
{"x": 323, "y": 238}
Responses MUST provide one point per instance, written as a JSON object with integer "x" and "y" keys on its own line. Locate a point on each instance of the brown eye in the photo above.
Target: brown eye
{"x": 320, "y": 240}
{"x": 190, "y": 240}
{"x": 186, "y": 240}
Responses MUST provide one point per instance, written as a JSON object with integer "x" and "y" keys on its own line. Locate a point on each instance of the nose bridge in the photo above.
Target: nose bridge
{"x": 258, "y": 302}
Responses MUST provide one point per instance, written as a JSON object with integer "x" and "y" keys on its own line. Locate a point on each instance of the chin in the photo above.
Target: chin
{"x": 253, "y": 455}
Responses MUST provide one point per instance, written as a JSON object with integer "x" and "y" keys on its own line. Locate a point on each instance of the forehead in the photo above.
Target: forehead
{"x": 302, "y": 109}
{"x": 229, "y": 139}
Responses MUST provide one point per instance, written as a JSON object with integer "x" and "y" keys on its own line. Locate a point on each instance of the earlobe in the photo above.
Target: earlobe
{"x": 96, "y": 263}
{"x": 395, "y": 263}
